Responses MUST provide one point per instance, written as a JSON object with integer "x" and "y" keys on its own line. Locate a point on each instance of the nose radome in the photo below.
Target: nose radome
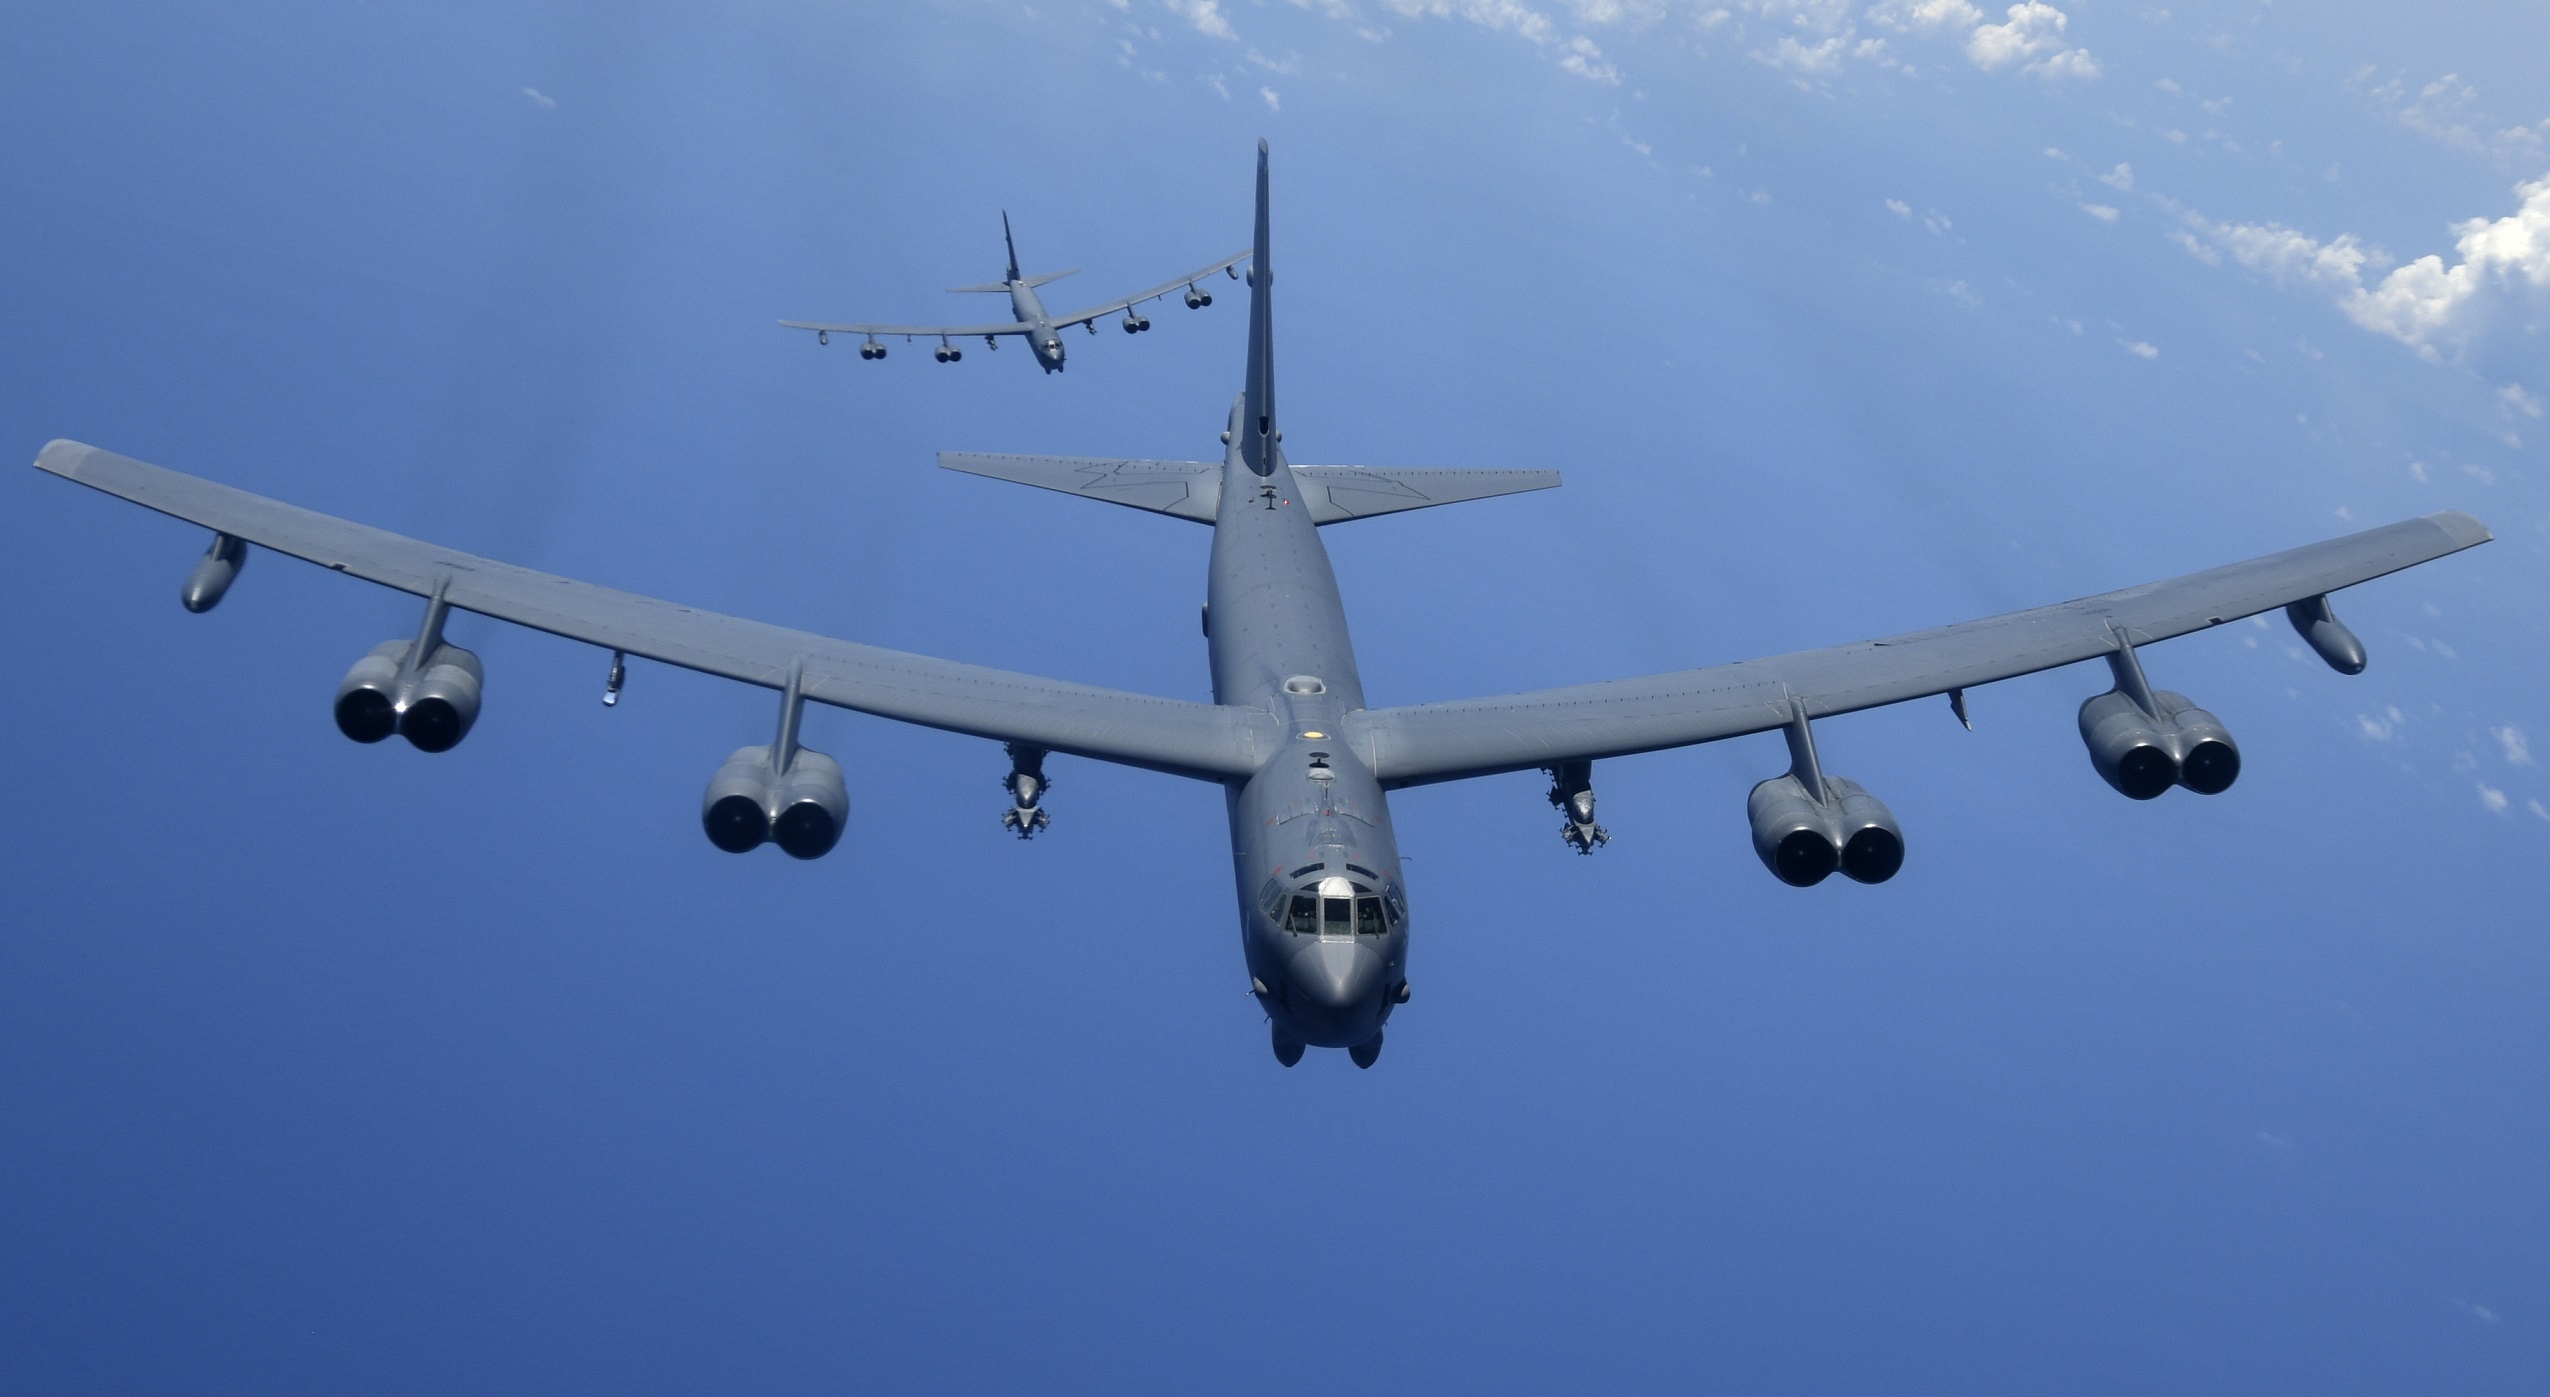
{"x": 1337, "y": 974}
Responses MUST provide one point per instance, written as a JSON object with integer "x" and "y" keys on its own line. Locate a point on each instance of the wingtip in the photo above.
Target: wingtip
{"x": 2462, "y": 529}
{"x": 61, "y": 456}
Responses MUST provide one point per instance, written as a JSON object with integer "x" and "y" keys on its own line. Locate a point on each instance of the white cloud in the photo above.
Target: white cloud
{"x": 2493, "y": 798}
{"x": 2537, "y": 808}
{"x": 2511, "y": 739}
{"x": 1913, "y": 16}
{"x": 2138, "y": 349}
{"x": 2121, "y": 178}
{"x": 2424, "y": 304}
{"x": 1899, "y": 208}
{"x": 2517, "y": 400}
{"x": 1273, "y": 102}
{"x": 543, "y": 98}
{"x": 2032, "y": 36}
{"x": 1205, "y": 15}
{"x": 1586, "y": 61}
{"x": 2104, "y": 213}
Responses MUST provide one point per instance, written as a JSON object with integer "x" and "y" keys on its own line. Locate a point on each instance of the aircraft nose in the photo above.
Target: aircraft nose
{"x": 1337, "y": 975}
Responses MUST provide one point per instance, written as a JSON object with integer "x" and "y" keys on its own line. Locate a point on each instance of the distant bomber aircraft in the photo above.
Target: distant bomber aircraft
{"x": 1043, "y": 332}
{"x": 1304, "y": 764}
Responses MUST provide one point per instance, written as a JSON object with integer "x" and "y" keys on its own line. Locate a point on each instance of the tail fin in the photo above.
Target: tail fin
{"x": 1257, "y": 439}
{"x": 1009, "y": 243}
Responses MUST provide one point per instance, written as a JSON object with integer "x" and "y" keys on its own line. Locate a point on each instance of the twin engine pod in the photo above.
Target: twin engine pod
{"x": 1806, "y": 824}
{"x": 751, "y": 800}
{"x": 2145, "y": 752}
{"x": 1803, "y": 840}
{"x": 2144, "y": 741}
{"x": 432, "y": 704}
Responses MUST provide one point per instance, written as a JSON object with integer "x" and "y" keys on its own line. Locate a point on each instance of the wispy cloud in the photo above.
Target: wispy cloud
{"x": 2511, "y": 741}
{"x": 543, "y": 98}
{"x": 2138, "y": 348}
{"x": 1205, "y": 15}
{"x": 2447, "y": 110}
{"x": 1274, "y": 103}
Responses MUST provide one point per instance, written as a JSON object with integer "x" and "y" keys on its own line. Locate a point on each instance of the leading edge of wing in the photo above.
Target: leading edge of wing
{"x": 1478, "y": 737}
{"x": 1206, "y": 741}
{"x": 1153, "y": 294}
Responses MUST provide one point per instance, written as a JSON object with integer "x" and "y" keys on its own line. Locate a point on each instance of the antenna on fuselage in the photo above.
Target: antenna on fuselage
{"x": 1257, "y": 421}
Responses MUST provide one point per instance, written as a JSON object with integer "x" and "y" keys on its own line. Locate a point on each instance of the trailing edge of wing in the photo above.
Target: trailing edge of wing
{"x": 1339, "y": 493}
{"x": 1201, "y": 740}
{"x": 1155, "y": 293}
{"x": 1476, "y": 737}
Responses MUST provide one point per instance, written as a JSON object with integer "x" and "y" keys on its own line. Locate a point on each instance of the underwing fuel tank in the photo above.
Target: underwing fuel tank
{"x": 211, "y": 579}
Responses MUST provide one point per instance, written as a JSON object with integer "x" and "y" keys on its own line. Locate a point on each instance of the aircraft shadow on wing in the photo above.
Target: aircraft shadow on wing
{"x": 1029, "y": 319}
{"x": 1307, "y": 763}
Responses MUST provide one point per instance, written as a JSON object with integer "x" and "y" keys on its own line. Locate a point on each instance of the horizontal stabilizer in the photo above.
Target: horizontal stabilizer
{"x": 1336, "y": 493}
{"x": 1186, "y": 489}
{"x": 1193, "y": 489}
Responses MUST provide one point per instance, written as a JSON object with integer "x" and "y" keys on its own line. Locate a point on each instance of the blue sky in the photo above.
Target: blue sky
{"x": 325, "y": 1066}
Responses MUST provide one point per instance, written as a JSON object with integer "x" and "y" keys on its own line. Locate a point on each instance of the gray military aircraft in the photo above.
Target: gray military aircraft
{"x": 1305, "y": 764}
{"x": 1042, "y": 331}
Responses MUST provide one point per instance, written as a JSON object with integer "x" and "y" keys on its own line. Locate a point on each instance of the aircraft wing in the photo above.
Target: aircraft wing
{"x": 1202, "y": 740}
{"x": 950, "y": 332}
{"x": 1477, "y": 737}
{"x": 1164, "y": 288}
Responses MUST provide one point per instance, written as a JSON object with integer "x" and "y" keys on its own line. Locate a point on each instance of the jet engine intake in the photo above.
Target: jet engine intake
{"x": 432, "y": 705}
{"x": 2144, "y": 740}
{"x": 1198, "y": 300}
{"x": 803, "y": 810}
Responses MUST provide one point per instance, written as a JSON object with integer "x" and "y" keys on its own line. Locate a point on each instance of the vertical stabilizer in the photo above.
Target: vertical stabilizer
{"x": 1257, "y": 422}
{"x": 1010, "y": 244}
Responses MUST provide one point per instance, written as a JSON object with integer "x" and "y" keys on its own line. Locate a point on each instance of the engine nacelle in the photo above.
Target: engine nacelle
{"x": 803, "y": 810}
{"x": 1198, "y": 300}
{"x": 1803, "y": 841}
{"x": 432, "y": 705}
{"x": 2144, "y": 753}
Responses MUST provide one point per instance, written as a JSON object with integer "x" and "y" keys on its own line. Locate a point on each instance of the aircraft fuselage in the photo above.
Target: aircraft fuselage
{"x": 1043, "y": 340}
{"x": 1313, "y": 823}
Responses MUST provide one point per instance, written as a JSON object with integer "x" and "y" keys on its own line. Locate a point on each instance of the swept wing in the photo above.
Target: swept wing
{"x": 1006, "y": 327}
{"x": 1164, "y": 288}
{"x": 1475, "y": 737}
{"x": 1201, "y": 740}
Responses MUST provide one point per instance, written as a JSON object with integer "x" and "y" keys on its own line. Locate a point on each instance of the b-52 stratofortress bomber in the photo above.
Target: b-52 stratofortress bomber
{"x": 1042, "y": 332}
{"x": 1305, "y": 764}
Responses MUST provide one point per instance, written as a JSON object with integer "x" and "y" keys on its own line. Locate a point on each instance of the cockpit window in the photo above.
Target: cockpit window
{"x": 1270, "y": 900}
{"x": 1368, "y": 916}
{"x": 1394, "y": 903}
{"x": 1336, "y": 915}
{"x": 1304, "y": 918}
